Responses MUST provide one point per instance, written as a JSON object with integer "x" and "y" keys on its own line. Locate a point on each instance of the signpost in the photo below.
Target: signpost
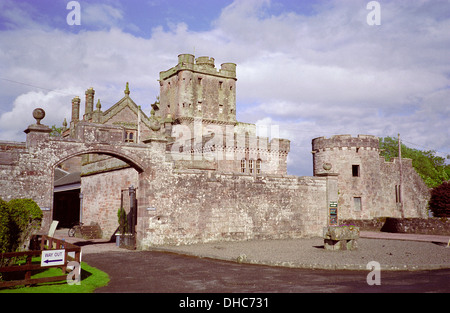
{"x": 53, "y": 257}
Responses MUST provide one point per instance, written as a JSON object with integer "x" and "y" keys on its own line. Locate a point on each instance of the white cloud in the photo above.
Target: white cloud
{"x": 101, "y": 15}
{"x": 56, "y": 104}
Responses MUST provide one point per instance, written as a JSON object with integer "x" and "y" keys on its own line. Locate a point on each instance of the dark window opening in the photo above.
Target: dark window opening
{"x": 355, "y": 170}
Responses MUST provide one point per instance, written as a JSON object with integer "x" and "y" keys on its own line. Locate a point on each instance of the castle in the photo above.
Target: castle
{"x": 198, "y": 174}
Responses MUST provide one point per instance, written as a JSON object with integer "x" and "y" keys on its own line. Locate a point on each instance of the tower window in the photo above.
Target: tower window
{"x": 355, "y": 170}
{"x": 398, "y": 195}
{"x": 243, "y": 165}
{"x": 258, "y": 166}
{"x": 251, "y": 166}
{"x": 357, "y": 202}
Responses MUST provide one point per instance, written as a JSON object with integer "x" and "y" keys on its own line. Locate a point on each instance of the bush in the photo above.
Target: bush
{"x": 123, "y": 221}
{"x": 19, "y": 220}
{"x": 440, "y": 200}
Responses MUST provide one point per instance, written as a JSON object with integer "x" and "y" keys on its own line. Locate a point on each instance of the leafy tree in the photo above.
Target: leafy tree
{"x": 440, "y": 200}
{"x": 56, "y": 131}
{"x": 431, "y": 168}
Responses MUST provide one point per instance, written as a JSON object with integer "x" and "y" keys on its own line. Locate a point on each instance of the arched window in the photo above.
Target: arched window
{"x": 129, "y": 136}
{"x": 251, "y": 166}
{"x": 258, "y": 166}
{"x": 243, "y": 165}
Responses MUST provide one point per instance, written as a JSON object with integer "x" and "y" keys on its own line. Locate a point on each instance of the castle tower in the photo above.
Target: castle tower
{"x": 194, "y": 88}
{"x": 356, "y": 160}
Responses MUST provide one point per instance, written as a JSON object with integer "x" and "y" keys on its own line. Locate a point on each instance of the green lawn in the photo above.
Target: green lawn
{"x": 91, "y": 279}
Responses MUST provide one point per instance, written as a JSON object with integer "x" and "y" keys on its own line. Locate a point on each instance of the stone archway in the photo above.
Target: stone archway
{"x": 28, "y": 168}
{"x": 97, "y": 195}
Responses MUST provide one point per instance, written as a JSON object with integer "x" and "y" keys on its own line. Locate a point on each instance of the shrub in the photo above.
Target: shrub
{"x": 123, "y": 221}
{"x": 19, "y": 219}
{"x": 440, "y": 200}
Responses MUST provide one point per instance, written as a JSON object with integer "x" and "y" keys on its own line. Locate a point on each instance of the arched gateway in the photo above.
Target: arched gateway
{"x": 27, "y": 169}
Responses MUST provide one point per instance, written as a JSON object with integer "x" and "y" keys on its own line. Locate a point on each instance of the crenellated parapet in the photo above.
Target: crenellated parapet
{"x": 345, "y": 142}
{"x": 201, "y": 64}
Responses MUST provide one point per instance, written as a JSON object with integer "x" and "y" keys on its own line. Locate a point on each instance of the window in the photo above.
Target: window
{"x": 243, "y": 165}
{"x": 398, "y": 195}
{"x": 251, "y": 166}
{"x": 129, "y": 136}
{"x": 355, "y": 170}
{"x": 258, "y": 166}
{"x": 357, "y": 202}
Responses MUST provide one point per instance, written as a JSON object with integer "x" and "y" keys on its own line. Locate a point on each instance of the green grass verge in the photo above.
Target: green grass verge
{"x": 91, "y": 279}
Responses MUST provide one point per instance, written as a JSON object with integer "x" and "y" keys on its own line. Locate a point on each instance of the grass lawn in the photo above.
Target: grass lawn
{"x": 91, "y": 279}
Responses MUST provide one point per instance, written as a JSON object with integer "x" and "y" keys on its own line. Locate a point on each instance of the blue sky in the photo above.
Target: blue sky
{"x": 313, "y": 68}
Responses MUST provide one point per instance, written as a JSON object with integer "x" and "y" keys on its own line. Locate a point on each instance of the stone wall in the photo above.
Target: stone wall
{"x": 428, "y": 226}
{"x": 189, "y": 207}
{"x": 102, "y": 197}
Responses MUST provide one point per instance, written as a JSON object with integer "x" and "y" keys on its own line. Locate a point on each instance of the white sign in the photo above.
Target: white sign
{"x": 53, "y": 257}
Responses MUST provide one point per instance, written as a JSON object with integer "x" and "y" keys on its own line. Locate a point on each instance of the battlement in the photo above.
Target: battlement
{"x": 201, "y": 64}
{"x": 346, "y": 141}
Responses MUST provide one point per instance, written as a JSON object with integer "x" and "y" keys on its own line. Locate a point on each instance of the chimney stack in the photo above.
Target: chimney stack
{"x": 76, "y": 109}
{"x": 89, "y": 108}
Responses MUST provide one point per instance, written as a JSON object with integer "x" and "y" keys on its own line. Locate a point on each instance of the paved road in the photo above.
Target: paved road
{"x": 152, "y": 271}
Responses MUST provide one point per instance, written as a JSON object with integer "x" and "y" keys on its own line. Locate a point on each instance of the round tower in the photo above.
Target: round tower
{"x": 342, "y": 151}
{"x": 205, "y": 61}
{"x": 356, "y": 160}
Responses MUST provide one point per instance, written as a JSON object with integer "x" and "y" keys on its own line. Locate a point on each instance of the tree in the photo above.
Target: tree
{"x": 431, "y": 168}
{"x": 440, "y": 200}
{"x": 56, "y": 131}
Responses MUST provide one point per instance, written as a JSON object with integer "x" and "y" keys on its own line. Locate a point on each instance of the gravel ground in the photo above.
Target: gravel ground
{"x": 309, "y": 253}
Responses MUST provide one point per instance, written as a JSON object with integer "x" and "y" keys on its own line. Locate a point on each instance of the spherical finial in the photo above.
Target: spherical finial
{"x": 327, "y": 166}
{"x": 38, "y": 114}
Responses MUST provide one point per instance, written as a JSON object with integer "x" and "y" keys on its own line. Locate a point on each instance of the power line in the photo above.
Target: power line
{"x": 34, "y": 86}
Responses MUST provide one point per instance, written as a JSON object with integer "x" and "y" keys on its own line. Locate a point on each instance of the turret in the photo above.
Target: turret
{"x": 344, "y": 153}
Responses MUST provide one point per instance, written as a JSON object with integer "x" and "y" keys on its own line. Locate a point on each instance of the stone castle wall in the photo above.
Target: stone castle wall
{"x": 190, "y": 206}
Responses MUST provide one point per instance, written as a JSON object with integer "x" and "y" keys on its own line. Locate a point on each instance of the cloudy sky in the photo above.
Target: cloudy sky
{"x": 311, "y": 68}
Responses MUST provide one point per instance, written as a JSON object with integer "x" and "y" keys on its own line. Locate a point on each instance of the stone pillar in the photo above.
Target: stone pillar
{"x": 332, "y": 197}
{"x": 37, "y": 133}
